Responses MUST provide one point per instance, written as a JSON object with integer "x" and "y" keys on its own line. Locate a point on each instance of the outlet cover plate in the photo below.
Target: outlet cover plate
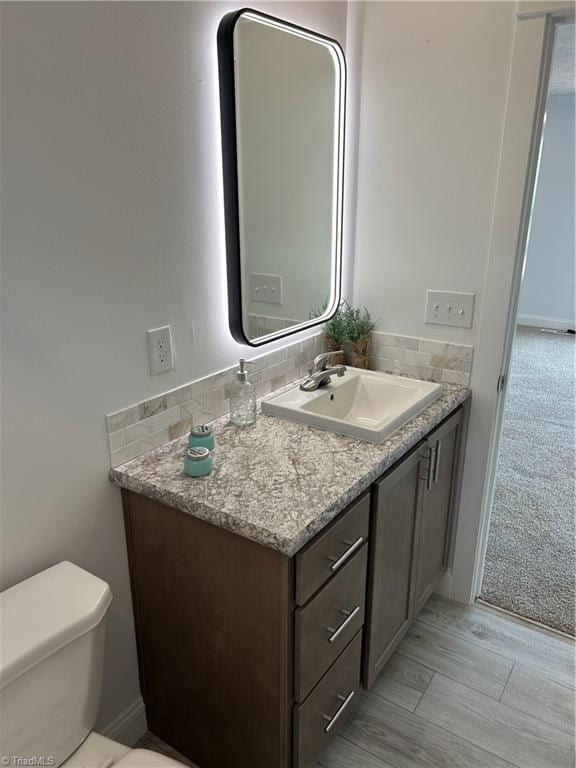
{"x": 160, "y": 353}
{"x": 266, "y": 288}
{"x": 450, "y": 308}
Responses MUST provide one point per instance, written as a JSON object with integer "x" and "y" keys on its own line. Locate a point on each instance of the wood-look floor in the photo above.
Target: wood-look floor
{"x": 467, "y": 688}
{"x": 151, "y": 741}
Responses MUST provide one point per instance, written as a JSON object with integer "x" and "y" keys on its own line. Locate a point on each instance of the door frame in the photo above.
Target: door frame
{"x": 520, "y": 150}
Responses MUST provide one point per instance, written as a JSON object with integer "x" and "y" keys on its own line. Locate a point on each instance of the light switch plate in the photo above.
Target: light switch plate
{"x": 160, "y": 354}
{"x": 266, "y": 288}
{"x": 450, "y": 308}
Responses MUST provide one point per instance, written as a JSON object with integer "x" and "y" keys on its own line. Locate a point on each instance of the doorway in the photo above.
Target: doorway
{"x": 529, "y": 564}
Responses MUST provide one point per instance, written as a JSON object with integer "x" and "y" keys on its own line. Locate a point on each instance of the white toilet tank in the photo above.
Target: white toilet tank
{"x": 51, "y": 655}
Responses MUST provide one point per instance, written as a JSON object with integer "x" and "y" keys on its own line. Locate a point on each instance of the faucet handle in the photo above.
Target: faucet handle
{"x": 320, "y": 362}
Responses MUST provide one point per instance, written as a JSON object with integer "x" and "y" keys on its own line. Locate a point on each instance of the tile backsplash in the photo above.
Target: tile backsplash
{"x": 421, "y": 358}
{"x": 147, "y": 425}
{"x": 151, "y": 423}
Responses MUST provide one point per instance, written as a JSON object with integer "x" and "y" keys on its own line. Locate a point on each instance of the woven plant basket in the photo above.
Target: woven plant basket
{"x": 333, "y": 345}
{"x": 359, "y": 353}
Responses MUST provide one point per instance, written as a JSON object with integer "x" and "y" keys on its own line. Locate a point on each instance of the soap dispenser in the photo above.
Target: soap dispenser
{"x": 242, "y": 398}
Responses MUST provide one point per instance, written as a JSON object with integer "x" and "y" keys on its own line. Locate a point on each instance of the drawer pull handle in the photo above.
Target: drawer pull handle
{"x": 350, "y": 615}
{"x": 338, "y": 561}
{"x": 437, "y": 461}
{"x": 430, "y": 471}
{"x": 340, "y": 711}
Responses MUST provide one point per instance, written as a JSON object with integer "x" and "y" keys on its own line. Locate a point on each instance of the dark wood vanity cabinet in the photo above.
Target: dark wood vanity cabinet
{"x": 438, "y": 487}
{"x": 214, "y": 616}
{"x": 249, "y": 658}
{"x": 396, "y": 515}
{"x": 410, "y": 536}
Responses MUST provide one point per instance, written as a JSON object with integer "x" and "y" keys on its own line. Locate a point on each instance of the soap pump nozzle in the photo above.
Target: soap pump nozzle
{"x": 242, "y": 373}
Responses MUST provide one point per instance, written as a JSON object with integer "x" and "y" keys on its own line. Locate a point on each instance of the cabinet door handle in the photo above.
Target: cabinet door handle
{"x": 338, "y": 561}
{"x": 339, "y": 712}
{"x": 339, "y": 629}
{"x": 431, "y": 466}
{"x": 437, "y": 461}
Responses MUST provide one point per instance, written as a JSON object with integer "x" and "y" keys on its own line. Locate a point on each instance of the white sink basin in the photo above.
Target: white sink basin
{"x": 365, "y": 404}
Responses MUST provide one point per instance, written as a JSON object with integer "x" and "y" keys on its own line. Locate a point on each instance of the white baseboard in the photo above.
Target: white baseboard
{"x": 444, "y": 586}
{"x": 129, "y": 725}
{"x": 540, "y": 321}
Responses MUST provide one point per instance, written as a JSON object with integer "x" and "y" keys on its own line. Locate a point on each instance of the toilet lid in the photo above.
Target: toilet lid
{"x": 96, "y": 751}
{"x": 46, "y": 612}
{"x": 145, "y": 758}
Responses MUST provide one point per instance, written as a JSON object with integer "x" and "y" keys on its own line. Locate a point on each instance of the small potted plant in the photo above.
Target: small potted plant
{"x": 359, "y": 326}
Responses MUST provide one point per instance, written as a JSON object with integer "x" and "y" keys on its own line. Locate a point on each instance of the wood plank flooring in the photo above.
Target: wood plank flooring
{"x": 457, "y": 659}
{"x": 495, "y": 727}
{"x": 151, "y": 741}
{"x": 535, "y": 694}
{"x": 517, "y": 641}
{"x": 467, "y": 688}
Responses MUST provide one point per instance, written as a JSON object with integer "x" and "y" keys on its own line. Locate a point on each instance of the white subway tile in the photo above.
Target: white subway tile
{"x": 166, "y": 418}
{"x": 117, "y": 439}
{"x": 213, "y": 398}
{"x": 455, "y": 377}
{"x": 191, "y": 407}
{"x": 277, "y": 356}
{"x": 260, "y": 362}
{"x": 202, "y": 418}
{"x": 277, "y": 370}
{"x": 183, "y": 394}
{"x": 140, "y": 430}
{"x": 415, "y": 356}
{"x": 403, "y": 342}
{"x": 219, "y": 409}
{"x": 451, "y": 363}
{"x": 139, "y": 447}
{"x": 263, "y": 388}
{"x": 123, "y": 418}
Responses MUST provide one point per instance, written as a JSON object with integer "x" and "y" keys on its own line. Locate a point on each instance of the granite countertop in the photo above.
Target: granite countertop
{"x": 277, "y": 482}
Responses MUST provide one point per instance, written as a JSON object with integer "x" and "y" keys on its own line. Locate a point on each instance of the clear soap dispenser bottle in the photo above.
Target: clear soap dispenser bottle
{"x": 242, "y": 398}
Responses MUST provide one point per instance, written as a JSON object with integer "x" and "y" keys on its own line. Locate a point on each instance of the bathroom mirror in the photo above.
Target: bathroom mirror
{"x": 282, "y": 92}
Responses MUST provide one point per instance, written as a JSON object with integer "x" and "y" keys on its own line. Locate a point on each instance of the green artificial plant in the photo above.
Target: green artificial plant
{"x": 337, "y": 327}
{"x": 359, "y": 324}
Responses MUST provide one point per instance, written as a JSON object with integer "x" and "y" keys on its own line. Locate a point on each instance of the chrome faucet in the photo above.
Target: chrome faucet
{"x": 320, "y": 373}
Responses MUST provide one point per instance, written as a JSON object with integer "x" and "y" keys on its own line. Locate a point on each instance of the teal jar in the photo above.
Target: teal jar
{"x": 198, "y": 462}
{"x": 201, "y": 437}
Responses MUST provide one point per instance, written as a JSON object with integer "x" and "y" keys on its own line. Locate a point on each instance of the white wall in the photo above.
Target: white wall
{"x": 548, "y": 289}
{"x": 434, "y": 81}
{"x": 112, "y": 224}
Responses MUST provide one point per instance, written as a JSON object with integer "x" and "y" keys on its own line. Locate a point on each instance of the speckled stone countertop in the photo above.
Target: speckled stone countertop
{"x": 277, "y": 482}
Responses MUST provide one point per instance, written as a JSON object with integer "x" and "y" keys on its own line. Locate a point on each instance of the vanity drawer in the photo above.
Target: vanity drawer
{"x": 331, "y": 549}
{"x": 325, "y": 626}
{"x": 327, "y": 707}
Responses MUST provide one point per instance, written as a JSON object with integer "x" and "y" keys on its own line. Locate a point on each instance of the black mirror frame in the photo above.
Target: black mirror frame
{"x": 225, "y": 44}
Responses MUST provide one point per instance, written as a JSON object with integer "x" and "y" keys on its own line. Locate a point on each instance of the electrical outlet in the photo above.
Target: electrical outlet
{"x": 266, "y": 288}
{"x": 160, "y": 355}
{"x": 450, "y": 308}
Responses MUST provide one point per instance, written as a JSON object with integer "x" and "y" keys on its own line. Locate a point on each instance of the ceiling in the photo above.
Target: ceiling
{"x": 563, "y": 74}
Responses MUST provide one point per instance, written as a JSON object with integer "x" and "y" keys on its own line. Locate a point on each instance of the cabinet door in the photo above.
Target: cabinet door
{"x": 437, "y": 506}
{"x": 395, "y": 515}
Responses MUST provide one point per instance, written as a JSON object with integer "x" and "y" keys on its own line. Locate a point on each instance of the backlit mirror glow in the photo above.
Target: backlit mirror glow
{"x": 282, "y": 99}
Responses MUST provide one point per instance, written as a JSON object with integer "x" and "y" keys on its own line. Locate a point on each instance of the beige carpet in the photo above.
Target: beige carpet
{"x": 530, "y": 562}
